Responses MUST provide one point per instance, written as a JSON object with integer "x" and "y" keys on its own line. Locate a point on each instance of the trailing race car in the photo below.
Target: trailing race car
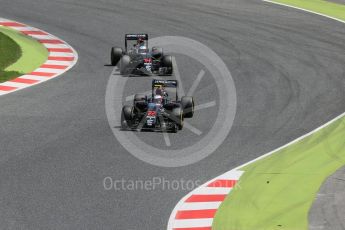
{"x": 138, "y": 59}
{"x": 163, "y": 111}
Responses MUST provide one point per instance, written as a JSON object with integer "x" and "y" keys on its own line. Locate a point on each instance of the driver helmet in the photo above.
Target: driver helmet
{"x": 158, "y": 99}
{"x": 141, "y": 43}
{"x": 159, "y": 91}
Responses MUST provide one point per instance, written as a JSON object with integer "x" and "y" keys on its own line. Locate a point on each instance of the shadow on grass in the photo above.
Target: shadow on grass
{"x": 8, "y": 75}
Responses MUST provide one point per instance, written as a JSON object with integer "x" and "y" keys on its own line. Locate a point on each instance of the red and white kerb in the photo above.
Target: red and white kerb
{"x": 61, "y": 58}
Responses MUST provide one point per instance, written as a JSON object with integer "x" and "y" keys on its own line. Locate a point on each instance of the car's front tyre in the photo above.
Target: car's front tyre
{"x": 115, "y": 55}
{"x": 124, "y": 64}
{"x": 177, "y": 117}
{"x": 126, "y": 117}
{"x": 167, "y": 64}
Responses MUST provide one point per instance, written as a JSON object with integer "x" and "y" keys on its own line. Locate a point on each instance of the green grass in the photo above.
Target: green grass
{"x": 19, "y": 54}
{"x": 10, "y": 52}
{"x": 323, "y": 7}
{"x": 8, "y": 75}
{"x": 277, "y": 192}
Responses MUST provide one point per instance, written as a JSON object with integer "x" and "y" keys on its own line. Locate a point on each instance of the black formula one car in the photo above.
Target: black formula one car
{"x": 163, "y": 111}
{"x": 138, "y": 59}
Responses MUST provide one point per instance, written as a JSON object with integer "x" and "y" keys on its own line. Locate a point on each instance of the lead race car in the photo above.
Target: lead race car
{"x": 138, "y": 59}
{"x": 163, "y": 111}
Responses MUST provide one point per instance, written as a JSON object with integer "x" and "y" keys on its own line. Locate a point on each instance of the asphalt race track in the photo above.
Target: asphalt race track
{"x": 328, "y": 209}
{"x": 56, "y": 143}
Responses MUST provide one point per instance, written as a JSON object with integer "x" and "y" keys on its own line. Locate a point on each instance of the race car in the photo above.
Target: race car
{"x": 163, "y": 111}
{"x": 138, "y": 59}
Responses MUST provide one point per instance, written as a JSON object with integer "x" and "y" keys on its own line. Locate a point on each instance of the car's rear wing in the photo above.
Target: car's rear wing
{"x": 164, "y": 84}
{"x": 136, "y": 36}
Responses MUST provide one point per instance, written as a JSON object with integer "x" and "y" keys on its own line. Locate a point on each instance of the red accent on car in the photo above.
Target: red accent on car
{"x": 151, "y": 113}
{"x": 147, "y": 60}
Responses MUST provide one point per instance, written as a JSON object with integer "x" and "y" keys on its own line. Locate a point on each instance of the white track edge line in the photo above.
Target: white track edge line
{"x": 309, "y": 11}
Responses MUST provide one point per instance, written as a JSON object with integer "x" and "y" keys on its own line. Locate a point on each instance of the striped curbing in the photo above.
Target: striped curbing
{"x": 197, "y": 209}
{"x": 61, "y": 58}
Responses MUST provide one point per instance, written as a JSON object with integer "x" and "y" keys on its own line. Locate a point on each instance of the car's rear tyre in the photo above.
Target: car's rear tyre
{"x": 174, "y": 129}
{"x": 167, "y": 64}
{"x": 115, "y": 55}
{"x": 140, "y": 97}
{"x": 126, "y": 116}
{"x": 187, "y": 106}
{"x": 177, "y": 117}
{"x": 124, "y": 64}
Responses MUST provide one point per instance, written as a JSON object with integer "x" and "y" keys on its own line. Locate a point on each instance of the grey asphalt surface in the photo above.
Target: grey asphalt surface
{"x": 57, "y": 146}
{"x": 327, "y": 212}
